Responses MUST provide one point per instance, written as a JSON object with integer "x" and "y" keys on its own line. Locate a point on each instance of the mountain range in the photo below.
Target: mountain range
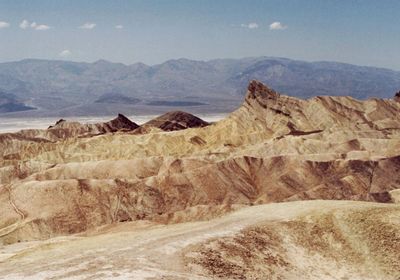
{"x": 64, "y": 88}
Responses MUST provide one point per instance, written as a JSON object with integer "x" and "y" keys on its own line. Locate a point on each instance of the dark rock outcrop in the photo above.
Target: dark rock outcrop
{"x": 176, "y": 120}
{"x": 397, "y": 96}
{"x": 60, "y": 121}
{"x": 257, "y": 89}
{"x": 120, "y": 123}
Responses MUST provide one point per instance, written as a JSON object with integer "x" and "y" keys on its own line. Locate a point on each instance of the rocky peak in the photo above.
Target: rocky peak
{"x": 176, "y": 120}
{"x": 257, "y": 90}
{"x": 122, "y": 118}
{"x": 397, "y": 96}
{"x": 58, "y": 123}
{"x": 121, "y": 122}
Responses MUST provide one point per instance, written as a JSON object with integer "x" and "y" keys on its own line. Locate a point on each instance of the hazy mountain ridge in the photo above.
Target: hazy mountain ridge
{"x": 76, "y": 85}
{"x": 10, "y": 103}
{"x": 116, "y": 98}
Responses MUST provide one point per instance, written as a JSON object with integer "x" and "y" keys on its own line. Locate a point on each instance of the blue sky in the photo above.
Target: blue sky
{"x": 362, "y": 32}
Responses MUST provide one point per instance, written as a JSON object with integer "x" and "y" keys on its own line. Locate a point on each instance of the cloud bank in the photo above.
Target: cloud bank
{"x": 277, "y": 26}
{"x": 4, "y": 24}
{"x": 25, "y": 24}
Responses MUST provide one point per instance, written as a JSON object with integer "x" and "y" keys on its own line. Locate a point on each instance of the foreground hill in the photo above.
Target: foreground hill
{"x": 62, "y": 88}
{"x": 297, "y": 240}
{"x": 273, "y": 148}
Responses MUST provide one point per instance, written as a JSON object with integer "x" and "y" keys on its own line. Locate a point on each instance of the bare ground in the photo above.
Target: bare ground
{"x": 293, "y": 240}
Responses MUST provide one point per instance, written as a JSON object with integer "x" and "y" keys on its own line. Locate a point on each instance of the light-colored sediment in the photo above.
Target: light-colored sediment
{"x": 292, "y": 240}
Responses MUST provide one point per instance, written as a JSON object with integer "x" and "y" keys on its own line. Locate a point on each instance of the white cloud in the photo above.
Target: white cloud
{"x": 65, "y": 53}
{"x": 42, "y": 27}
{"x": 33, "y": 25}
{"x": 88, "y": 25}
{"x": 277, "y": 26}
{"x": 251, "y": 25}
{"x": 24, "y": 24}
{"x": 4, "y": 24}
{"x": 119, "y": 26}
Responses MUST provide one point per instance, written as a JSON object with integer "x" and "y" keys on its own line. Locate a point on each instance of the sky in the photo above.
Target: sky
{"x": 363, "y": 32}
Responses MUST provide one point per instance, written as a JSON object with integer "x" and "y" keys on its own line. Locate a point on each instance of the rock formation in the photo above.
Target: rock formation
{"x": 63, "y": 129}
{"x": 274, "y": 148}
{"x": 397, "y": 96}
{"x": 72, "y": 129}
{"x": 176, "y": 120}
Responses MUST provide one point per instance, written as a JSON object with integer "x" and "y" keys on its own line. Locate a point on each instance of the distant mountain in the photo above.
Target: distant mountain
{"x": 302, "y": 79}
{"x": 72, "y": 88}
{"x": 116, "y": 98}
{"x": 10, "y": 103}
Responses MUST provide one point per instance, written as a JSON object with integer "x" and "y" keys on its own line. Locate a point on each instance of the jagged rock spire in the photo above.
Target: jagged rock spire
{"x": 257, "y": 90}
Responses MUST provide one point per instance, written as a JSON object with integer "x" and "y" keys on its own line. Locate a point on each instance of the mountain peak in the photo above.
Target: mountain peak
{"x": 258, "y": 90}
{"x": 176, "y": 120}
{"x": 397, "y": 96}
{"x": 102, "y": 61}
{"x": 122, "y": 117}
{"x": 121, "y": 122}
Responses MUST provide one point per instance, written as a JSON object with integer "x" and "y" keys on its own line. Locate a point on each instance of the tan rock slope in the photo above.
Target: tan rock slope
{"x": 296, "y": 240}
{"x": 10, "y": 143}
{"x": 273, "y": 148}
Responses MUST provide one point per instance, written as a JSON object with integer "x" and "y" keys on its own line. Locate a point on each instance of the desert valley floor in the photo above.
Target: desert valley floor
{"x": 282, "y": 188}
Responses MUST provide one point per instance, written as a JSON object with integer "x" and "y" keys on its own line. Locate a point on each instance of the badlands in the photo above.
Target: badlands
{"x": 283, "y": 188}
